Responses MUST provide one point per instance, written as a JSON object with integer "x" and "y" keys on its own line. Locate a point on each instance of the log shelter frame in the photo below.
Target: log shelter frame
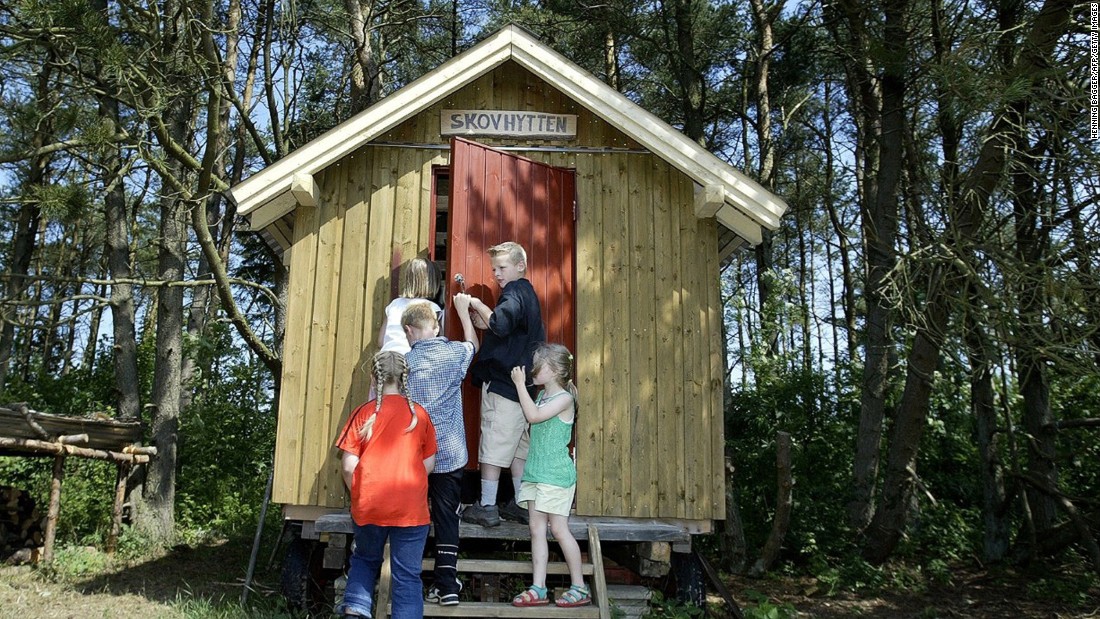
{"x": 111, "y": 441}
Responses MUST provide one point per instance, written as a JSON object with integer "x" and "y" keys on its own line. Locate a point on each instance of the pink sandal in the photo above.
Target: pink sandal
{"x": 533, "y": 596}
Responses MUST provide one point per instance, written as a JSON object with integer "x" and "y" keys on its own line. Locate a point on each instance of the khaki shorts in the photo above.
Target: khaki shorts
{"x": 504, "y": 434}
{"x": 547, "y": 499}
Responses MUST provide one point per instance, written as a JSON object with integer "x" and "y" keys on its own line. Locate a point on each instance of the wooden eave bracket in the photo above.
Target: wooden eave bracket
{"x": 708, "y": 199}
{"x": 304, "y": 189}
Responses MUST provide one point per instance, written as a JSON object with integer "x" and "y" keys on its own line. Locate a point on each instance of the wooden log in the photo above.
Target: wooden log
{"x": 55, "y": 508}
{"x": 22, "y": 531}
{"x": 72, "y": 439}
{"x": 22, "y": 409}
{"x": 144, "y": 450}
{"x": 783, "y": 504}
{"x": 116, "y": 507}
{"x": 1074, "y": 423}
{"x": 47, "y": 448}
{"x": 720, "y": 586}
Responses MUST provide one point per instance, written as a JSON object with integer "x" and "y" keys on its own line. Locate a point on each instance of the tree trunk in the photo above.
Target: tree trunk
{"x": 879, "y": 114}
{"x": 91, "y": 345}
{"x": 29, "y": 217}
{"x": 763, "y": 18}
{"x": 899, "y": 478}
{"x": 1032, "y": 337}
{"x": 157, "y": 518}
{"x": 997, "y": 525}
{"x": 611, "y": 60}
{"x": 365, "y": 70}
{"x": 689, "y": 80}
{"x": 201, "y": 307}
{"x": 783, "y": 504}
{"x": 964, "y": 219}
{"x": 117, "y": 238}
{"x": 848, "y": 304}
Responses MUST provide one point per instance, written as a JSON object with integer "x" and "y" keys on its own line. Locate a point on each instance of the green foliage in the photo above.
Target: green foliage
{"x": 1077, "y": 396}
{"x": 227, "y": 438}
{"x": 85, "y": 493}
{"x": 1064, "y": 588}
{"x": 194, "y": 606}
{"x": 945, "y": 531}
{"x": 818, "y": 415}
{"x": 226, "y": 442}
{"x": 80, "y": 393}
{"x": 762, "y": 607}
{"x": 74, "y": 562}
{"x": 661, "y": 607}
{"x": 850, "y": 573}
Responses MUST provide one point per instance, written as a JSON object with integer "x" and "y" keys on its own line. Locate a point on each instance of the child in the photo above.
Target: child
{"x": 419, "y": 282}
{"x": 550, "y": 477}
{"x": 386, "y": 461}
{"x": 514, "y": 330}
{"x": 436, "y": 369}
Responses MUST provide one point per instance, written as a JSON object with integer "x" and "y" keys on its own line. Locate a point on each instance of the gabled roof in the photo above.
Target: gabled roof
{"x": 738, "y": 202}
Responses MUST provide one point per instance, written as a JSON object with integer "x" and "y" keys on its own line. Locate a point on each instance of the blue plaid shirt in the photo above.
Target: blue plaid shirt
{"x": 436, "y": 369}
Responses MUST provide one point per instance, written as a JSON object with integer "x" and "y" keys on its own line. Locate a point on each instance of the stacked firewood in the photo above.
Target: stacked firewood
{"x": 21, "y": 526}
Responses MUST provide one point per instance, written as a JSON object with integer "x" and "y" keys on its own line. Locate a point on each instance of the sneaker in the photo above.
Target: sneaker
{"x": 443, "y": 599}
{"x": 512, "y": 511}
{"x": 448, "y": 599}
{"x": 486, "y": 516}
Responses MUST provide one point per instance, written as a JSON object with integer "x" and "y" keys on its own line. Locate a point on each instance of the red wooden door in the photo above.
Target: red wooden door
{"x": 497, "y": 197}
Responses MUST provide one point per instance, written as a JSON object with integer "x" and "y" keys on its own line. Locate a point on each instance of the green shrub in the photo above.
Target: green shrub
{"x": 762, "y": 607}
{"x": 661, "y": 607}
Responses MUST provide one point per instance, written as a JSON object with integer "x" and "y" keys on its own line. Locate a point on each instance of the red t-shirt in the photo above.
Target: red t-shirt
{"x": 390, "y": 486}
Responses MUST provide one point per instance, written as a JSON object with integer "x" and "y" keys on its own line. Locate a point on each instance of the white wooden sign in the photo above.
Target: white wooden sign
{"x": 508, "y": 123}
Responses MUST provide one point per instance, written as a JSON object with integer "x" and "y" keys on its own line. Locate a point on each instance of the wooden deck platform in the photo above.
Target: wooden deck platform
{"x": 611, "y": 529}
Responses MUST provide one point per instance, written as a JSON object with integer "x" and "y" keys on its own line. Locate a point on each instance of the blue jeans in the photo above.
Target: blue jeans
{"x": 406, "y": 554}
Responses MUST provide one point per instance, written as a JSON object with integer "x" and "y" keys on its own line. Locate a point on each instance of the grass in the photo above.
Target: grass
{"x": 203, "y": 580}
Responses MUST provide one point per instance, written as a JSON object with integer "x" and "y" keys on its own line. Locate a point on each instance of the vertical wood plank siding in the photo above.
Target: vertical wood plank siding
{"x": 648, "y": 324}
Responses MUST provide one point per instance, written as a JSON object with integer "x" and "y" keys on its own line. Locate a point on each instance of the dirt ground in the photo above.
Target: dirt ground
{"x": 972, "y": 595}
{"x": 171, "y": 585}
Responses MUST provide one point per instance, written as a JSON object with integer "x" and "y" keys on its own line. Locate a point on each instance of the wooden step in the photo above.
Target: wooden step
{"x": 494, "y": 566}
{"x": 600, "y": 608}
{"x": 505, "y": 609}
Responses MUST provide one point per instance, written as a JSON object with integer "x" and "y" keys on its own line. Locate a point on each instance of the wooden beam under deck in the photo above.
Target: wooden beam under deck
{"x": 611, "y": 529}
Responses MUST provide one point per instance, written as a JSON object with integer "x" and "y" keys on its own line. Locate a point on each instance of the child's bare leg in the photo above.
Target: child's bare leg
{"x": 490, "y": 472}
{"x": 540, "y": 552}
{"x": 559, "y": 525}
{"x": 517, "y": 471}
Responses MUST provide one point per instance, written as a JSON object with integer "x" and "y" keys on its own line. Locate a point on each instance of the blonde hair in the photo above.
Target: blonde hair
{"x": 560, "y": 361}
{"x": 419, "y": 314}
{"x": 388, "y": 367}
{"x": 419, "y": 279}
{"x": 513, "y": 250}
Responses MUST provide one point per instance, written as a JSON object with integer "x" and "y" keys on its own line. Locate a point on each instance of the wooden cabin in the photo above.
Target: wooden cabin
{"x": 625, "y": 222}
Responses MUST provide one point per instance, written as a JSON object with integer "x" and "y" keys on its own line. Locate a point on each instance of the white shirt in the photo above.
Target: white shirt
{"x": 393, "y": 337}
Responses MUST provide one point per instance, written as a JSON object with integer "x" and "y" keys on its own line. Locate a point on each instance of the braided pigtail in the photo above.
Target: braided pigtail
{"x": 403, "y": 388}
{"x": 387, "y": 368}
